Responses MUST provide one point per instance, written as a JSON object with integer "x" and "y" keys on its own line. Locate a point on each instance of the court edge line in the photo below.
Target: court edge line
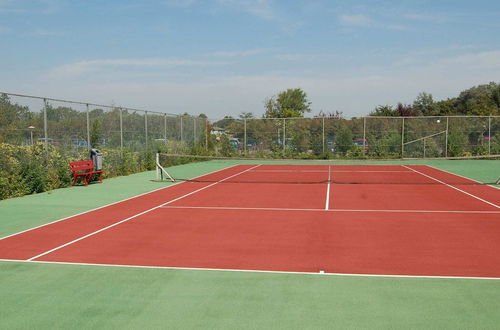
{"x": 229, "y": 208}
{"x": 333, "y": 171}
{"x": 327, "y": 203}
{"x": 113, "y": 203}
{"x": 136, "y": 215}
{"x": 458, "y": 189}
{"x": 464, "y": 177}
{"x": 234, "y": 270}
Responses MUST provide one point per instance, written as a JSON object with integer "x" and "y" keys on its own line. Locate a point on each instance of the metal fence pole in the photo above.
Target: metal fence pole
{"x": 206, "y": 134}
{"x": 245, "y": 135}
{"x": 446, "y": 138}
{"x": 284, "y": 135}
{"x": 121, "y": 131}
{"x": 323, "y": 132}
{"x": 403, "y": 138}
{"x": 182, "y": 139}
{"x": 194, "y": 130}
{"x": 88, "y": 127}
{"x": 165, "y": 128}
{"x": 364, "y": 134}
{"x": 489, "y": 135}
{"x": 45, "y": 128}
{"x": 146, "y": 128}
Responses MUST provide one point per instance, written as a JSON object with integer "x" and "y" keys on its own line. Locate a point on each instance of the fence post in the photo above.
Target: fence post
{"x": 364, "y": 134}
{"x": 323, "y": 132}
{"x": 245, "y": 135}
{"x": 88, "y": 127}
{"x": 146, "y": 128}
{"x": 284, "y": 135}
{"x": 182, "y": 139}
{"x": 446, "y": 139}
{"x": 121, "y": 132}
{"x": 165, "y": 128}
{"x": 403, "y": 138}
{"x": 45, "y": 129}
{"x": 489, "y": 135}
{"x": 206, "y": 134}
{"x": 194, "y": 131}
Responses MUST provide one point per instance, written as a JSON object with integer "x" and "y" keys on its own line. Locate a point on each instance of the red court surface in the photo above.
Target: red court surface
{"x": 345, "y": 219}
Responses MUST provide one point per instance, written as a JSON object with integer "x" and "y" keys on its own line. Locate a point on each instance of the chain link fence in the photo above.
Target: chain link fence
{"x": 71, "y": 126}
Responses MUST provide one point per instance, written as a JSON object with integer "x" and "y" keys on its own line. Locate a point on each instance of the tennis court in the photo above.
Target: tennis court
{"x": 401, "y": 220}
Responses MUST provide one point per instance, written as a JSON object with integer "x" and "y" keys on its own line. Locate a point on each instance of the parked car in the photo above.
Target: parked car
{"x": 79, "y": 143}
{"x": 49, "y": 141}
{"x": 235, "y": 143}
{"x": 362, "y": 143}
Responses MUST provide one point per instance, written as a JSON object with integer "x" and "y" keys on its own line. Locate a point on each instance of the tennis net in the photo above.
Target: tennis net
{"x": 470, "y": 171}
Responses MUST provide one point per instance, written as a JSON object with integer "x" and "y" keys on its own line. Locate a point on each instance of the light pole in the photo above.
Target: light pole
{"x": 31, "y": 128}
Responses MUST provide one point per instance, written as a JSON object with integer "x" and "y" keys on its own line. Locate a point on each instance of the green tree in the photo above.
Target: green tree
{"x": 247, "y": 115}
{"x": 289, "y": 103}
{"x": 95, "y": 133}
{"x": 424, "y": 104}
{"x": 384, "y": 111}
{"x": 344, "y": 142}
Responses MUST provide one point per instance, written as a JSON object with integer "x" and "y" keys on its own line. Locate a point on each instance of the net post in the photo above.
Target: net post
{"x": 157, "y": 161}
{"x": 446, "y": 138}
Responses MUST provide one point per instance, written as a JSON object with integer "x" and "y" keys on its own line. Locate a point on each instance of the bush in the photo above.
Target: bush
{"x": 27, "y": 169}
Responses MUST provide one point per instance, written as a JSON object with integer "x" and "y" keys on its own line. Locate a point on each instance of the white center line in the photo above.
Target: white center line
{"x": 137, "y": 215}
{"x": 327, "y": 203}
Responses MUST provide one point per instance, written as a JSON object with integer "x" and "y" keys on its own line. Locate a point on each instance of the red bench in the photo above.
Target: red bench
{"x": 84, "y": 169}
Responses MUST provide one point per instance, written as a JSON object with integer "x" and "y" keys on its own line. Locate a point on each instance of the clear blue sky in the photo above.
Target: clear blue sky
{"x": 227, "y": 56}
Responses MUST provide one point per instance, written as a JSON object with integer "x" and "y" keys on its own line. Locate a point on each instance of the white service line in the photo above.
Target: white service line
{"x": 327, "y": 203}
{"x": 235, "y": 270}
{"x": 229, "y": 208}
{"x": 449, "y": 185}
{"x": 334, "y": 171}
{"x": 464, "y": 177}
{"x": 136, "y": 215}
{"x": 113, "y": 203}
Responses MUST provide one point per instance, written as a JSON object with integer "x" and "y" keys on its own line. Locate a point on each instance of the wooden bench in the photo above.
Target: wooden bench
{"x": 84, "y": 169}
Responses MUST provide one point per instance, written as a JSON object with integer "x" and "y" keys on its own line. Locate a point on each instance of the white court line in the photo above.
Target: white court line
{"x": 123, "y": 200}
{"x": 336, "y": 171}
{"x": 464, "y": 177}
{"x": 235, "y": 270}
{"x": 327, "y": 203}
{"x": 136, "y": 215}
{"x": 449, "y": 185}
{"x": 229, "y": 208}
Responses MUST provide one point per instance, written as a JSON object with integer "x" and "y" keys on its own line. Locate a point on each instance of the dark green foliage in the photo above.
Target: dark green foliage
{"x": 344, "y": 140}
{"x": 95, "y": 133}
{"x": 25, "y": 170}
{"x": 457, "y": 141}
{"x": 288, "y": 104}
